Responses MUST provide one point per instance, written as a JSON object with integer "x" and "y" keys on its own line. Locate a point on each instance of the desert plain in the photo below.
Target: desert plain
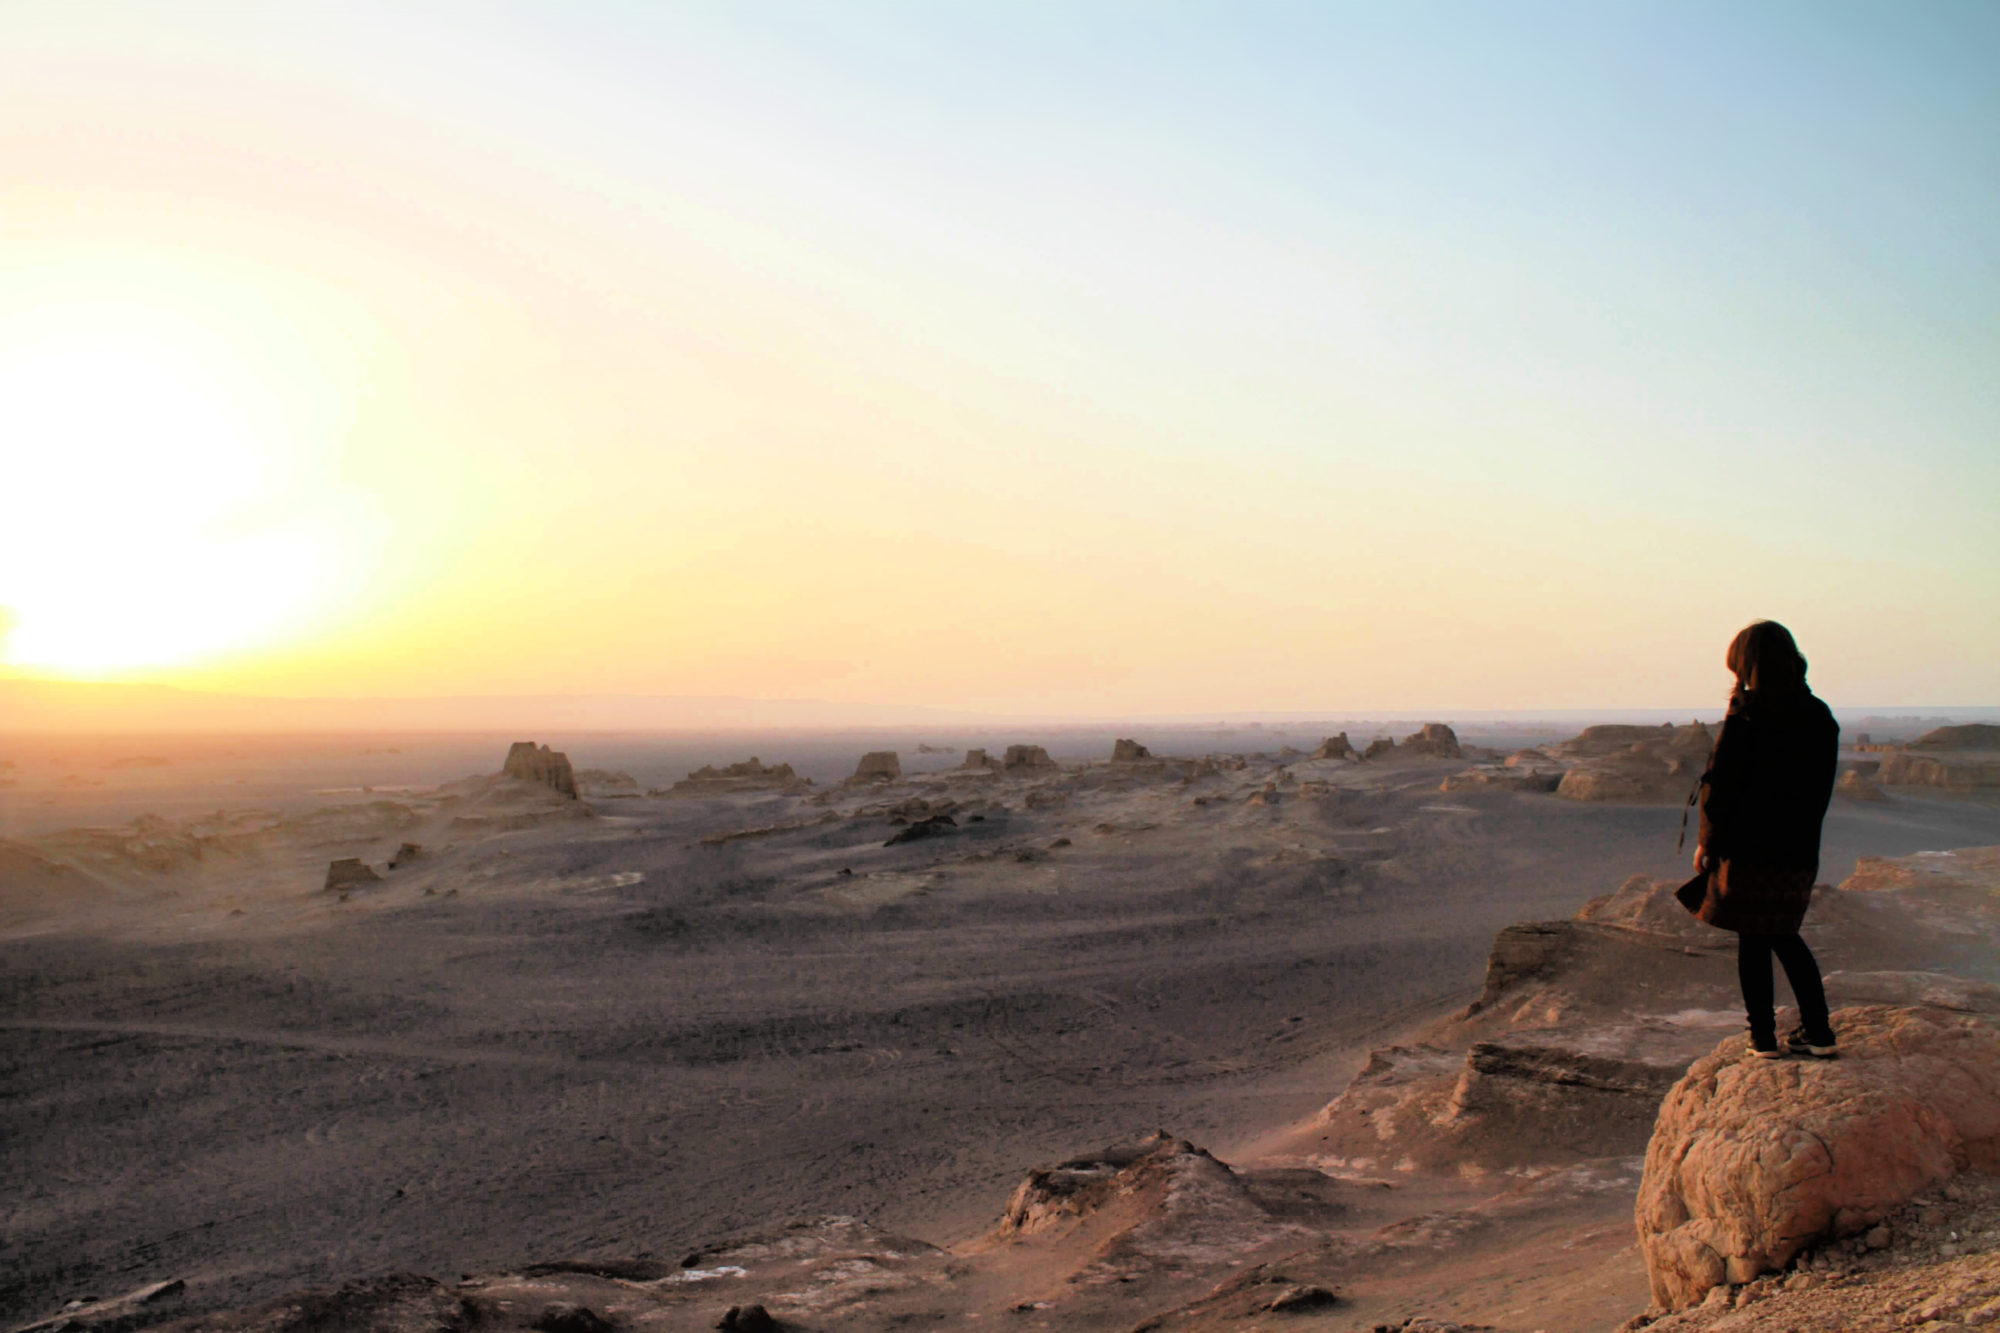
{"x": 1079, "y": 1034}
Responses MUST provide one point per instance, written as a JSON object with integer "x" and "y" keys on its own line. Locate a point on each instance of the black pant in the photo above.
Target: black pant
{"x": 1753, "y": 969}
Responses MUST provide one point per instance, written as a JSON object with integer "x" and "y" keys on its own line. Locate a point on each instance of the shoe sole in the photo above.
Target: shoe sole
{"x": 1818, "y": 1052}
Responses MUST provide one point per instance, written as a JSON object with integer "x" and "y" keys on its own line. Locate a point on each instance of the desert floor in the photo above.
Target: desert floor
{"x": 607, "y": 1036}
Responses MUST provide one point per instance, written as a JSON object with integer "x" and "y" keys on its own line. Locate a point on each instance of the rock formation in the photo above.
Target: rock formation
{"x": 1027, "y": 759}
{"x": 877, "y": 766}
{"x": 407, "y": 853}
{"x": 1957, "y": 758}
{"x": 1626, "y": 763}
{"x": 1335, "y": 747}
{"x": 1856, "y": 785}
{"x": 532, "y": 763}
{"x": 931, "y": 826}
{"x": 349, "y": 871}
{"x": 1129, "y": 752}
{"x": 749, "y": 775}
{"x": 1973, "y": 736}
{"x": 606, "y": 782}
{"x": 1492, "y": 777}
{"x": 1435, "y": 740}
{"x": 1752, "y": 1161}
{"x": 976, "y": 759}
{"x": 1378, "y": 747}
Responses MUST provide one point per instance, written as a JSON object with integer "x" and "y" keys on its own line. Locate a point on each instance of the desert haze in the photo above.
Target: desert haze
{"x": 1066, "y": 1030}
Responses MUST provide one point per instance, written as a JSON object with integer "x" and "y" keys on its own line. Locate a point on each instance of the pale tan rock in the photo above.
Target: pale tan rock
{"x": 878, "y": 766}
{"x": 1751, "y": 1160}
{"x": 1027, "y": 759}
{"x": 1335, "y": 747}
{"x": 1128, "y": 752}
{"x": 1435, "y": 740}
{"x": 533, "y": 763}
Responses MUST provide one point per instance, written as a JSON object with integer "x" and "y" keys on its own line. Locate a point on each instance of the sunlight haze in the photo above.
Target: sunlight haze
{"x": 1076, "y": 361}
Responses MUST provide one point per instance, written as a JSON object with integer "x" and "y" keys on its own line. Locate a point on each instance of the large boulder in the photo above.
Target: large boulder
{"x": 1128, "y": 752}
{"x": 1752, "y": 1161}
{"x": 538, "y": 763}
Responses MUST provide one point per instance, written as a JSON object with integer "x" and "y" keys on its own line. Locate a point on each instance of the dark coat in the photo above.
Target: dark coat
{"x": 1763, "y": 799}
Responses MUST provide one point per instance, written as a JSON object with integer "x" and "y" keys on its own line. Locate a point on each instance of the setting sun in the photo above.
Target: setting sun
{"x": 151, "y": 521}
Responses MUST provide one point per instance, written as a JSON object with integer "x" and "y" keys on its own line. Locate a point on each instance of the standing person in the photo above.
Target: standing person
{"x": 1762, "y": 801}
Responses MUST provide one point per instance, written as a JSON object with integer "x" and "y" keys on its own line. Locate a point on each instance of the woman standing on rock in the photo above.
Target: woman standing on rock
{"x": 1762, "y": 801}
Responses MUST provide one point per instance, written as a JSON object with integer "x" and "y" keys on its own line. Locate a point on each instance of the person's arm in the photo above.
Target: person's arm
{"x": 1721, "y": 786}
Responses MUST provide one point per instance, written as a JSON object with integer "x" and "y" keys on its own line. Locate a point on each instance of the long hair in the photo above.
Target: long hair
{"x": 1765, "y": 659}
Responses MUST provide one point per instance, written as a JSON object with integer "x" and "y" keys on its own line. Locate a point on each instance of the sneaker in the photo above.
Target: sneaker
{"x": 1819, "y": 1045}
{"x": 1765, "y": 1048}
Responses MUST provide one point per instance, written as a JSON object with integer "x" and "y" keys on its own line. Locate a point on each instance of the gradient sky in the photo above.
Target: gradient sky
{"x": 1075, "y": 359}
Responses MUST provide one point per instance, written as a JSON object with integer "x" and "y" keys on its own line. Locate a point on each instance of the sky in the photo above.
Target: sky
{"x": 1075, "y": 360}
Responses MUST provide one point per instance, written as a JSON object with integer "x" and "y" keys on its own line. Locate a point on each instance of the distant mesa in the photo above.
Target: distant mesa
{"x": 878, "y": 766}
{"x": 1027, "y": 759}
{"x": 1955, "y": 758}
{"x": 1335, "y": 747}
{"x": 1380, "y": 746}
{"x": 936, "y": 749}
{"x": 1128, "y": 752}
{"x": 1435, "y": 740}
{"x": 538, "y": 763}
{"x": 348, "y": 872}
{"x": 1972, "y": 736}
{"x": 606, "y": 782}
{"x": 977, "y": 759}
{"x": 749, "y": 775}
{"x": 1628, "y": 763}
{"x": 407, "y": 853}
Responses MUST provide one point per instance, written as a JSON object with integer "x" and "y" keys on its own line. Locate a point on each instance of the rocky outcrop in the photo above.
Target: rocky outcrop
{"x": 750, "y": 775}
{"x": 931, "y": 826}
{"x": 1953, "y": 769}
{"x": 1973, "y": 736}
{"x": 1027, "y": 759}
{"x": 1380, "y": 746}
{"x": 606, "y": 782}
{"x": 348, "y": 872}
{"x": 1752, "y": 1161}
{"x": 877, "y": 766}
{"x": 538, "y": 763}
{"x": 1857, "y": 786}
{"x": 1335, "y": 747}
{"x": 1490, "y": 777}
{"x": 407, "y": 854}
{"x": 1158, "y": 1202}
{"x": 1435, "y": 740}
{"x": 1624, "y": 763}
{"x": 1129, "y": 752}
